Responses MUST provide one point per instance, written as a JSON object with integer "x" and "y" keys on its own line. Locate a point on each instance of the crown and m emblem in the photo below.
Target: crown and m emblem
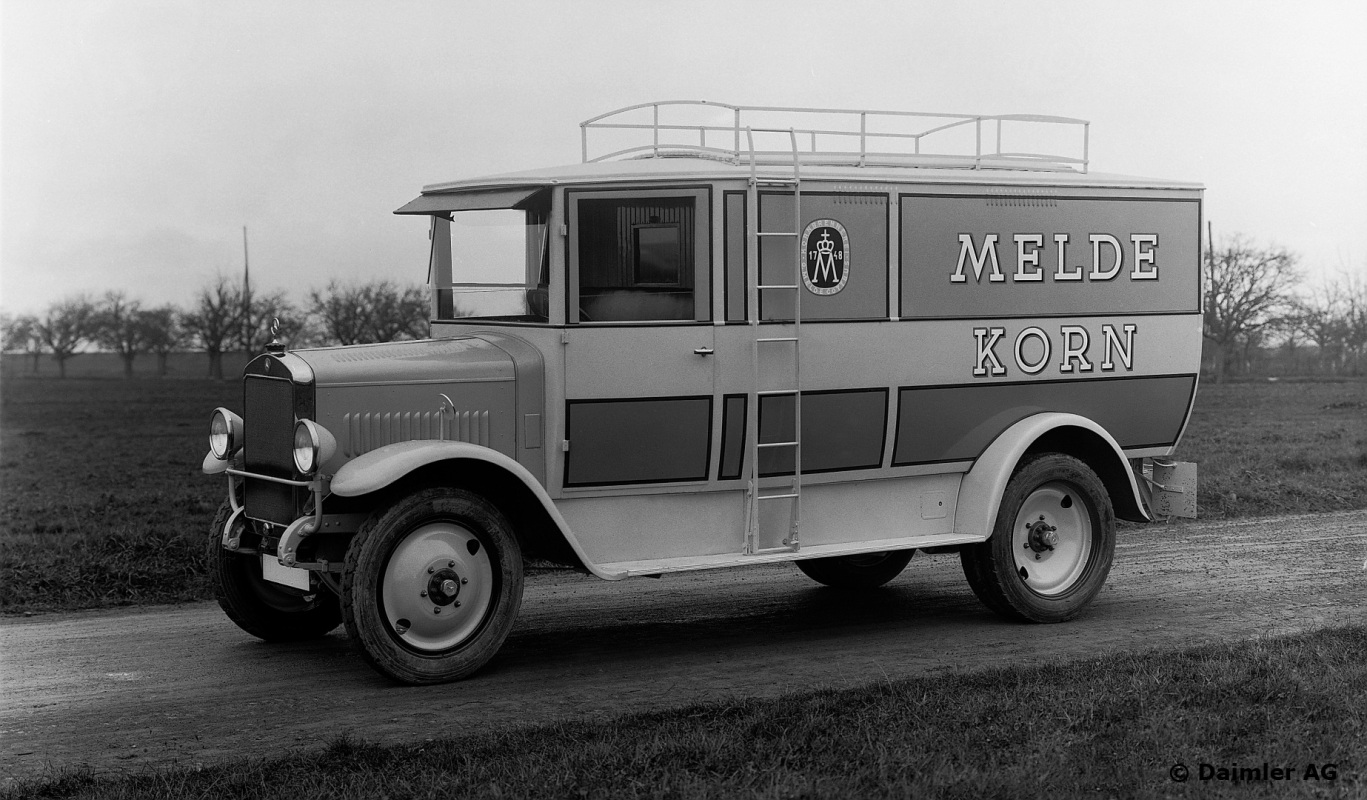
{"x": 826, "y": 257}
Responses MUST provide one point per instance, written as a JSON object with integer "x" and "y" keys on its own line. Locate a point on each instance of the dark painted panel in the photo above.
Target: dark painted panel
{"x": 734, "y": 257}
{"x": 732, "y": 437}
{"x": 840, "y": 430}
{"x": 932, "y": 250}
{"x": 638, "y": 441}
{"x": 954, "y": 423}
{"x": 865, "y": 292}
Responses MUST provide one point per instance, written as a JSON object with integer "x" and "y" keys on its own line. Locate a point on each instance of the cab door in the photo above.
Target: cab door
{"x": 639, "y": 343}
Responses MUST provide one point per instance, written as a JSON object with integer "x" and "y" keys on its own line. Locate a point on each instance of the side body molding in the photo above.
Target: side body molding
{"x": 382, "y": 466}
{"x": 981, "y": 491}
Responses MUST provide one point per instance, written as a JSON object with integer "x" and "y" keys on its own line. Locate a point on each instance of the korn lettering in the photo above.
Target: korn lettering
{"x": 1032, "y": 349}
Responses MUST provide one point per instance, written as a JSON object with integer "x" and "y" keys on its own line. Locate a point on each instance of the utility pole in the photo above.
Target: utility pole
{"x": 1213, "y": 293}
{"x": 246, "y": 296}
{"x": 1210, "y": 242}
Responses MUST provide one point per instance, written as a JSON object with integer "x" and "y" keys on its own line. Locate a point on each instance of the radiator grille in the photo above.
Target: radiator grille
{"x": 268, "y": 438}
{"x": 268, "y": 448}
{"x": 366, "y": 431}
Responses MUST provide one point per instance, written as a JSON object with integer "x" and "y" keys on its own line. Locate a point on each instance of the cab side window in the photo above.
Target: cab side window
{"x": 637, "y": 258}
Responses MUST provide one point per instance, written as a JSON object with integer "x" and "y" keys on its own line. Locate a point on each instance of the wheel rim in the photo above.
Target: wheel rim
{"x": 1052, "y": 539}
{"x": 437, "y": 587}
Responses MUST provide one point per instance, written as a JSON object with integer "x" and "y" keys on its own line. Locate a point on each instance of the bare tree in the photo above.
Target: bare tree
{"x": 215, "y": 320}
{"x": 379, "y": 311}
{"x": 120, "y": 326}
{"x": 21, "y": 335}
{"x": 68, "y": 326}
{"x": 1321, "y": 316}
{"x": 340, "y": 313}
{"x": 1354, "y": 291}
{"x": 1334, "y": 316}
{"x": 1248, "y": 291}
{"x": 263, "y": 310}
{"x": 165, "y": 333}
{"x": 397, "y": 313}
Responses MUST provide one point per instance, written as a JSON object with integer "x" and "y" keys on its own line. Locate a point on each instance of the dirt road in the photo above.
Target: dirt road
{"x": 120, "y": 690}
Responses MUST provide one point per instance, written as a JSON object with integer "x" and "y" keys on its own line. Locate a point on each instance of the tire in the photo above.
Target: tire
{"x": 1019, "y": 572}
{"x": 432, "y": 586}
{"x": 264, "y": 609}
{"x": 867, "y": 571}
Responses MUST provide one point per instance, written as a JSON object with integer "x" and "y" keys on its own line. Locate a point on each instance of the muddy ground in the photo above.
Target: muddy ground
{"x": 126, "y": 689}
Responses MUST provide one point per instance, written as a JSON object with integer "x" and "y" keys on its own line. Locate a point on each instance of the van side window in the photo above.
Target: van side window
{"x": 636, "y": 259}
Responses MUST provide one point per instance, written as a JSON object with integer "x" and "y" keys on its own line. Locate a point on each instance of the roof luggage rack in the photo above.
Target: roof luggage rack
{"x": 839, "y": 137}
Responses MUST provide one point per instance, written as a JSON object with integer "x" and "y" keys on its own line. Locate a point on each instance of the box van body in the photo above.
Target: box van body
{"x": 684, "y": 357}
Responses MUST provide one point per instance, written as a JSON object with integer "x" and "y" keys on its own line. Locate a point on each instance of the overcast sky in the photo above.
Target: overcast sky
{"x": 137, "y": 138}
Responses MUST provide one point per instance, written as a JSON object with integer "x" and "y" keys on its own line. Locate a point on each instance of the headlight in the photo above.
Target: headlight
{"x": 313, "y": 445}
{"x": 225, "y": 433}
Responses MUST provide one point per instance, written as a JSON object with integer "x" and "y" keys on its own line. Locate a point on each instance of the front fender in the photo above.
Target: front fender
{"x": 980, "y": 493}
{"x": 213, "y": 465}
{"x": 380, "y": 467}
{"x": 384, "y": 465}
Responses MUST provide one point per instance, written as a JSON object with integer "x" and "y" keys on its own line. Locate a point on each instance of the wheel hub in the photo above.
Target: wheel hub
{"x": 1041, "y": 536}
{"x": 443, "y": 586}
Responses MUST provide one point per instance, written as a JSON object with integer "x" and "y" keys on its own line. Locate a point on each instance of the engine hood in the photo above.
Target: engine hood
{"x": 467, "y": 358}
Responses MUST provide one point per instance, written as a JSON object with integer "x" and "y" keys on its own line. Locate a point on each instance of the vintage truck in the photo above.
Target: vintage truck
{"x": 742, "y": 335}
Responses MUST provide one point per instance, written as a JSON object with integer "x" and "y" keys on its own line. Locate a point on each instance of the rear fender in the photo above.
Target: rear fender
{"x": 981, "y": 491}
{"x": 383, "y": 466}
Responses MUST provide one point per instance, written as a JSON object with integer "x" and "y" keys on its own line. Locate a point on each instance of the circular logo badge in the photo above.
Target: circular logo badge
{"x": 826, "y": 260}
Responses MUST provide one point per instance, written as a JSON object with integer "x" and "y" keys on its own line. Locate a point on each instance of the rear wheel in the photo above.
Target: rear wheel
{"x": 260, "y": 607}
{"x": 432, "y": 586}
{"x": 1051, "y": 547}
{"x": 865, "y": 571}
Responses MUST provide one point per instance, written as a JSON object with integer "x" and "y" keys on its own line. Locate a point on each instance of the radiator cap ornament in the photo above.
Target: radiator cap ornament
{"x": 275, "y": 345}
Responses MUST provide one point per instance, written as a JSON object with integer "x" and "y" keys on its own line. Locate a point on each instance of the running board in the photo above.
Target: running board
{"x": 634, "y": 569}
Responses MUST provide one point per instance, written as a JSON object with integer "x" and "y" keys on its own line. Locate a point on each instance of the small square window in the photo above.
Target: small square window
{"x": 657, "y": 255}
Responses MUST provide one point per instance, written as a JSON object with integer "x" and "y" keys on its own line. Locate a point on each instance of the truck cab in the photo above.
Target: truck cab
{"x": 731, "y": 336}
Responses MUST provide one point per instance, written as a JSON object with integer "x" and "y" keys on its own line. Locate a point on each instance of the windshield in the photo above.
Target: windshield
{"x": 497, "y": 264}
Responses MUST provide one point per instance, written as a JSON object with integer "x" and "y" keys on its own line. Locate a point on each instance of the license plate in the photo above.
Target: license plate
{"x": 272, "y": 571}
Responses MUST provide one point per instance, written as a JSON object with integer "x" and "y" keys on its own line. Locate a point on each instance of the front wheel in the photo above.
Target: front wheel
{"x": 432, "y": 586}
{"x": 1051, "y": 547}
{"x": 866, "y": 571}
{"x": 260, "y": 607}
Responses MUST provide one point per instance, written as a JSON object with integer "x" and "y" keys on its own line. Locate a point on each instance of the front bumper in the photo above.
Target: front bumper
{"x": 287, "y": 551}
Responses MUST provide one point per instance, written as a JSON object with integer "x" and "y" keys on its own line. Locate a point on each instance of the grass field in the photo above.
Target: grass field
{"x": 1279, "y": 447}
{"x": 1116, "y": 726}
{"x": 102, "y": 502}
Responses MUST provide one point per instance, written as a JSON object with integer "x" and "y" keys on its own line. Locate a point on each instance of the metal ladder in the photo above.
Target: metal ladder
{"x": 755, "y": 493}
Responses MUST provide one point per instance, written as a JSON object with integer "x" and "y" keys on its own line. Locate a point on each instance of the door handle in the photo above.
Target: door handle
{"x": 703, "y": 351}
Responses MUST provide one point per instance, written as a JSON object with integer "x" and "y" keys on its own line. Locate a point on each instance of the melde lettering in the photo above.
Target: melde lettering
{"x": 1104, "y": 267}
{"x": 1032, "y": 349}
